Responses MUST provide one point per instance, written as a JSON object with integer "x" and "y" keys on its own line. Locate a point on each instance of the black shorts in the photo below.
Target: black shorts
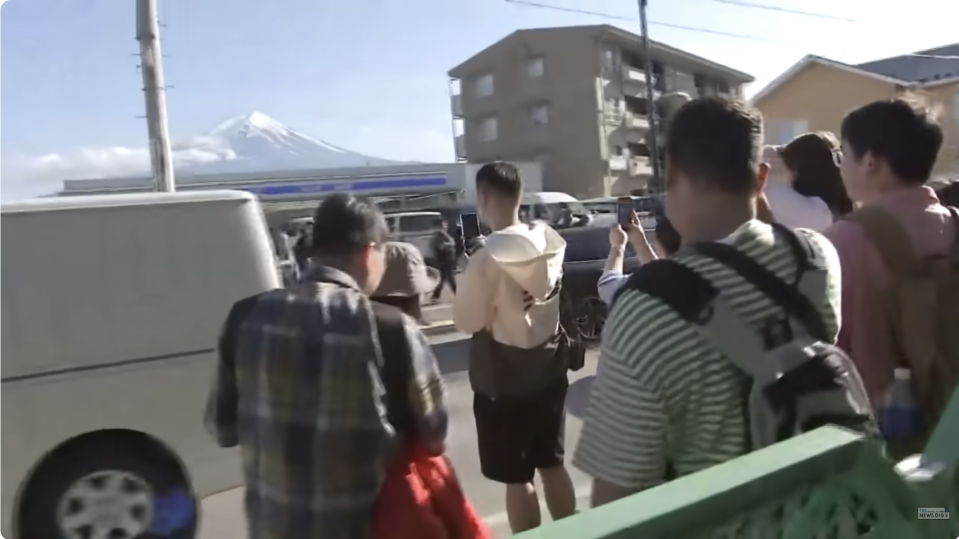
{"x": 519, "y": 435}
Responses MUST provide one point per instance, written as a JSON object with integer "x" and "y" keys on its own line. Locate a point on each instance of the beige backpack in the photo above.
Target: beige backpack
{"x": 920, "y": 312}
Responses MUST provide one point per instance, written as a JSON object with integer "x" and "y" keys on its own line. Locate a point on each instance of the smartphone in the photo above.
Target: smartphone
{"x": 624, "y": 211}
{"x": 471, "y": 225}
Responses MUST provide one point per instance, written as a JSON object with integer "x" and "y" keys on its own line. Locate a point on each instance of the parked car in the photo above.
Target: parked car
{"x": 586, "y": 253}
{"x": 604, "y": 211}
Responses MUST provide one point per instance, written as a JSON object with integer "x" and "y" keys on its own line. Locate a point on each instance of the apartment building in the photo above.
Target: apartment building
{"x": 573, "y": 99}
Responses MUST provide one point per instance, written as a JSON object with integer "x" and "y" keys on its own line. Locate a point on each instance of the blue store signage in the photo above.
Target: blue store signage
{"x": 352, "y": 186}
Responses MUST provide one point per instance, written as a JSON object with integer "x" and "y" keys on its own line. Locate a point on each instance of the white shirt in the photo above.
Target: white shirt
{"x": 797, "y": 211}
{"x": 609, "y": 282}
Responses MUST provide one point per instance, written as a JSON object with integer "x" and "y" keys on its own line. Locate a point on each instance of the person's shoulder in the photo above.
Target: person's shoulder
{"x": 846, "y": 236}
{"x": 646, "y": 322}
{"x": 798, "y": 211}
{"x": 393, "y": 316}
{"x": 823, "y": 248}
{"x": 655, "y": 286}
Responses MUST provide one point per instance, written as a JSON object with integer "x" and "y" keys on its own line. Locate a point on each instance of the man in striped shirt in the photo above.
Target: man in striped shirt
{"x": 665, "y": 403}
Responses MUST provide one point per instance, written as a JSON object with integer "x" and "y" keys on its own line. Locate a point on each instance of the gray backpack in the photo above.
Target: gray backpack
{"x": 800, "y": 380}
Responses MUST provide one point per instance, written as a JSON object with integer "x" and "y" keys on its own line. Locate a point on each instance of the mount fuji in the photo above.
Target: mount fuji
{"x": 256, "y": 143}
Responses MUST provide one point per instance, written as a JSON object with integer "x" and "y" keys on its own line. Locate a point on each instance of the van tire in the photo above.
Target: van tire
{"x": 60, "y": 475}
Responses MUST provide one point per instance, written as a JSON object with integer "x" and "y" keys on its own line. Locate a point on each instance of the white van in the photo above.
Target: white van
{"x": 548, "y": 206}
{"x": 416, "y": 227}
{"x": 112, "y": 306}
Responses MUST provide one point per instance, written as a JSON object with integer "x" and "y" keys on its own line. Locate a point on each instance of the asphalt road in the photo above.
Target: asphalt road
{"x": 223, "y": 518}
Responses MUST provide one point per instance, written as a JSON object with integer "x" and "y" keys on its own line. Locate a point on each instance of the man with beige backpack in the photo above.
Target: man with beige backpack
{"x": 900, "y": 267}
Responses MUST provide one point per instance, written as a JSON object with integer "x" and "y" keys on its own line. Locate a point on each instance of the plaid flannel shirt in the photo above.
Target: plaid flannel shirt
{"x": 298, "y": 389}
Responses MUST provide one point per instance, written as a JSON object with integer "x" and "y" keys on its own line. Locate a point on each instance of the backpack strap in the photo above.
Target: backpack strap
{"x": 889, "y": 238}
{"x": 694, "y": 299}
{"x": 699, "y": 302}
{"x": 787, "y": 296}
{"x": 394, "y": 363}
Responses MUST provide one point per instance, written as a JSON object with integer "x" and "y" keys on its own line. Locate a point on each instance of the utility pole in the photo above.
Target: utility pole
{"x": 154, "y": 93}
{"x": 651, "y": 103}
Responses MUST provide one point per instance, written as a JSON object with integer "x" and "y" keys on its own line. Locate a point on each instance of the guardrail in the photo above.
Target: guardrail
{"x": 829, "y": 483}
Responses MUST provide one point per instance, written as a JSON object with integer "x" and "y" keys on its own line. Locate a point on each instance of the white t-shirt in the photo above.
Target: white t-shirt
{"x": 797, "y": 211}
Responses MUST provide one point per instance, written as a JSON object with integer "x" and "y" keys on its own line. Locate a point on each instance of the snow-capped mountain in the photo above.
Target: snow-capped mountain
{"x": 249, "y": 143}
{"x": 255, "y": 142}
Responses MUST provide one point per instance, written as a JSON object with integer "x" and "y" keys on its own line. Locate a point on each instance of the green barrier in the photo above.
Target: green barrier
{"x": 830, "y": 483}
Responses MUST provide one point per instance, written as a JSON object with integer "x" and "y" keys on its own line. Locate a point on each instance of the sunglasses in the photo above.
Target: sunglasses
{"x": 837, "y": 157}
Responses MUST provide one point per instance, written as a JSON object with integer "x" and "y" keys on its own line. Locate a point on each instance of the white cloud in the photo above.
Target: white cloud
{"x": 30, "y": 176}
{"x": 90, "y": 163}
{"x": 27, "y": 176}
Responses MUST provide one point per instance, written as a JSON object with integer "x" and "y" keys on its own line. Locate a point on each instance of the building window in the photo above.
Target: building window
{"x": 535, "y": 67}
{"x": 486, "y": 129}
{"x": 539, "y": 114}
{"x": 618, "y": 150}
{"x": 483, "y": 85}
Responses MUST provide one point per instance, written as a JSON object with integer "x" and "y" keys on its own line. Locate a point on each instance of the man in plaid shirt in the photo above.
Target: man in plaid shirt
{"x": 299, "y": 388}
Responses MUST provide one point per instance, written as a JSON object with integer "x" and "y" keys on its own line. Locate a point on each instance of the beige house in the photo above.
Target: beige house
{"x": 573, "y": 99}
{"x": 816, "y": 93}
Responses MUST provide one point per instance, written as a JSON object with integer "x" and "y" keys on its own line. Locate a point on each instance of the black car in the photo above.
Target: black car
{"x": 586, "y": 253}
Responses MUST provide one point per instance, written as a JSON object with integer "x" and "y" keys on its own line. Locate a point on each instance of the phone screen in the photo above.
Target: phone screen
{"x": 471, "y": 227}
{"x": 624, "y": 211}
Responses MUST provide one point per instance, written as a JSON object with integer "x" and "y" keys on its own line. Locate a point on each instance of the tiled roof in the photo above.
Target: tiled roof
{"x": 921, "y": 67}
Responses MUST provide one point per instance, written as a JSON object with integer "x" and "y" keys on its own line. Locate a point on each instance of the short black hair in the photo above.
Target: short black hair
{"x": 717, "y": 141}
{"x": 502, "y": 178}
{"x": 902, "y": 131}
{"x": 344, "y": 224}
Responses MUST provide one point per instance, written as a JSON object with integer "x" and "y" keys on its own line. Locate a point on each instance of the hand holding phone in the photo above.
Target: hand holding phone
{"x": 625, "y": 212}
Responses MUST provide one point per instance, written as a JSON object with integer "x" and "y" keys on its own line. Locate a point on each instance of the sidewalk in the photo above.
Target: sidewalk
{"x": 439, "y": 316}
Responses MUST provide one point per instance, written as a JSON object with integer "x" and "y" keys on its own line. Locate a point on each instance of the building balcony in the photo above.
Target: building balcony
{"x": 614, "y": 116}
{"x": 460, "y": 143}
{"x": 636, "y": 121}
{"x": 456, "y": 105}
{"x": 635, "y": 75}
{"x": 618, "y": 163}
{"x": 640, "y": 166}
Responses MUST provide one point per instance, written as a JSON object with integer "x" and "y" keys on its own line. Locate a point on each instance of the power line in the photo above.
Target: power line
{"x": 740, "y": 3}
{"x": 531, "y": 3}
{"x": 570, "y": 10}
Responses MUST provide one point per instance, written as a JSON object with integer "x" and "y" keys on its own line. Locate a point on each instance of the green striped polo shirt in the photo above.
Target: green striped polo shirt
{"x": 662, "y": 393}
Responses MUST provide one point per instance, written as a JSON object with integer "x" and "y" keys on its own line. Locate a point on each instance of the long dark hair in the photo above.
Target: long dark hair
{"x": 813, "y": 158}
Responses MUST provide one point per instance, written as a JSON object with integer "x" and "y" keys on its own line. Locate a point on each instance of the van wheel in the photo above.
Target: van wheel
{"x": 104, "y": 492}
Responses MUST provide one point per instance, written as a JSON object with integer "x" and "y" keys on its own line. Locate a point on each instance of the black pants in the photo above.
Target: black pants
{"x": 519, "y": 435}
{"x": 447, "y": 269}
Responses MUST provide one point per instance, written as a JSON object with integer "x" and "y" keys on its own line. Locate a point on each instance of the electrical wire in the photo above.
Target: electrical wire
{"x": 534, "y": 4}
{"x": 751, "y": 5}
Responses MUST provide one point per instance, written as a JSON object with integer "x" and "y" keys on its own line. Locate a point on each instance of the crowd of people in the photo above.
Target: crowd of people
{"x": 829, "y": 261}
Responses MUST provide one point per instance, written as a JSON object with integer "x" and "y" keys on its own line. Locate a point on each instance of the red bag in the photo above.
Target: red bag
{"x": 422, "y": 499}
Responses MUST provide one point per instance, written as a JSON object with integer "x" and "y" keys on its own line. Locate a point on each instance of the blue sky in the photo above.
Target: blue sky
{"x": 368, "y": 75}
